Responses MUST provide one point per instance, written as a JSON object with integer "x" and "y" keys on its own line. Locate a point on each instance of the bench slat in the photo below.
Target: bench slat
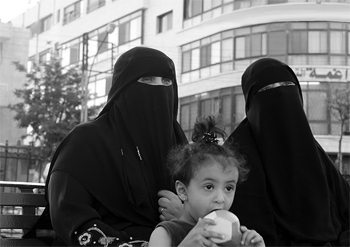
{"x": 17, "y": 221}
{"x": 5, "y": 242}
{"x": 21, "y": 199}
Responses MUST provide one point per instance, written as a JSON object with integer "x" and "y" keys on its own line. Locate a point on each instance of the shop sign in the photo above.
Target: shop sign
{"x": 322, "y": 74}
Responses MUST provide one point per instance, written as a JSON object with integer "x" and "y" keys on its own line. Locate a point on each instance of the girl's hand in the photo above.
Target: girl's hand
{"x": 170, "y": 205}
{"x": 200, "y": 236}
{"x": 251, "y": 238}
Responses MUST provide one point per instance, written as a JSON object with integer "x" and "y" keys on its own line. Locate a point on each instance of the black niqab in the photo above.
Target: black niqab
{"x": 119, "y": 157}
{"x": 294, "y": 195}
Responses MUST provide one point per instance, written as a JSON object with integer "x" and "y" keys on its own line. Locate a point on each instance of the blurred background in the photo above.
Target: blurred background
{"x": 57, "y": 56}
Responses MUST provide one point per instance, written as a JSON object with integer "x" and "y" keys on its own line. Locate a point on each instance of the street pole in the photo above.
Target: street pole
{"x": 84, "y": 79}
{"x": 86, "y": 71}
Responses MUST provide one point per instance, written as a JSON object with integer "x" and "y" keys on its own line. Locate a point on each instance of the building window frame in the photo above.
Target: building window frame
{"x": 94, "y": 4}
{"x": 45, "y": 23}
{"x": 71, "y": 12}
{"x": 165, "y": 22}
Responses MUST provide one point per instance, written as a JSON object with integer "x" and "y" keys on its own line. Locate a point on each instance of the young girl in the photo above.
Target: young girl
{"x": 206, "y": 175}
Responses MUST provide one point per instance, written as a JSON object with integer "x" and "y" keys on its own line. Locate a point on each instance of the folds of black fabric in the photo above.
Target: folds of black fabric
{"x": 294, "y": 195}
{"x": 110, "y": 169}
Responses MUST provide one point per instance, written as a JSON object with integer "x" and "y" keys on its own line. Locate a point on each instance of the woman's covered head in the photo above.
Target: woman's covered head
{"x": 184, "y": 161}
{"x": 141, "y": 64}
{"x": 264, "y": 72}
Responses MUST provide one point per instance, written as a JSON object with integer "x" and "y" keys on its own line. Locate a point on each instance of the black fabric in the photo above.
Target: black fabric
{"x": 118, "y": 159}
{"x": 294, "y": 195}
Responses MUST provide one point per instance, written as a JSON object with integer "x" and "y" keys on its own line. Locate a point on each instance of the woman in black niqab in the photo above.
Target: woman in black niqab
{"x": 293, "y": 194}
{"x": 105, "y": 175}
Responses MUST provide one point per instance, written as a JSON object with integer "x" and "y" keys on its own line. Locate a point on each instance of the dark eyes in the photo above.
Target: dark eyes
{"x": 209, "y": 187}
{"x": 167, "y": 81}
{"x": 155, "y": 80}
{"x": 228, "y": 188}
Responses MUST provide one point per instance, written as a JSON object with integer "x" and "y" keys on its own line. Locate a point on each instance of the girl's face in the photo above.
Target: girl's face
{"x": 212, "y": 187}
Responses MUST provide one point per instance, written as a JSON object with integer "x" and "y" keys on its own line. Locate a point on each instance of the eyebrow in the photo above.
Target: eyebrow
{"x": 214, "y": 180}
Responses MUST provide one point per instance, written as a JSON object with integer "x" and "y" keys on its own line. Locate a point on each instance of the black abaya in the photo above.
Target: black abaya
{"x": 105, "y": 175}
{"x": 293, "y": 195}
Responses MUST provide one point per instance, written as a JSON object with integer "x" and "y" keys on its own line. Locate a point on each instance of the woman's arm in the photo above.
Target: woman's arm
{"x": 73, "y": 217}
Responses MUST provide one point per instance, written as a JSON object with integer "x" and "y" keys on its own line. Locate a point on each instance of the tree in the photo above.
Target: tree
{"x": 340, "y": 108}
{"x": 50, "y": 103}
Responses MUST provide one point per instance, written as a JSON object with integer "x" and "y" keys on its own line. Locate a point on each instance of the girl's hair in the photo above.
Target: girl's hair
{"x": 183, "y": 161}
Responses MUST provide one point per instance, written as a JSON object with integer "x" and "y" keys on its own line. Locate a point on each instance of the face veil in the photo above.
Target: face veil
{"x": 289, "y": 168}
{"x": 119, "y": 157}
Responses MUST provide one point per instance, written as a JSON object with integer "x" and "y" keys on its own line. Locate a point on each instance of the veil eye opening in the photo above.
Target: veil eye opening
{"x": 155, "y": 80}
{"x": 275, "y": 85}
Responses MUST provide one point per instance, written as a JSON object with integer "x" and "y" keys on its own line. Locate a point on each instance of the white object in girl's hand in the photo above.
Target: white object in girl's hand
{"x": 228, "y": 225}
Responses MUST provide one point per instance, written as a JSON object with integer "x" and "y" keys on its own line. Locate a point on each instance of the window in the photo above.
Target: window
{"x": 1, "y": 52}
{"x": 317, "y": 42}
{"x": 188, "y": 116}
{"x": 210, "y": 107}
{"x": 337, "y": 42}
{"x": 58, "y": 16}
{"x": 227, "y": 50}
{"x": 258, "y": 44}
{"x": 186, "y": 61}
{"x": 102, "y": 42}
{"x": 45, "y": 23}
{"x": 129, "y": 30}
{"x": 242, "y": 49}
{"x": 74, "y": 53}
{"x": 71, "y": 53}
{"x": 277, "y": 43}
{"x": 135, "y": 29}
{"x": 71, "y": 12}
{"x": 124, "y": 32}
{"x": 239, "y": 110}
{"x": 298, "y": 42}
{"x": 44, "y": 57}
{"x": 34, "y": 29}
{"x": 195, "y": 59}
{"x": 205, "y": 54}
{"x": 193, "y": 8}
{"x": 215, "y": 52}
{"x": 165, "y": 22}
{"x": 206, "y": 8}
{"x": 94, "y": 4}
{"x": 349, "y": 43}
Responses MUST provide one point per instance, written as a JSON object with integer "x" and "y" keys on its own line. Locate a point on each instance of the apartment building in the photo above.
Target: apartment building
{"x": 13, "y": 48}
{"x": 211, "y": 43}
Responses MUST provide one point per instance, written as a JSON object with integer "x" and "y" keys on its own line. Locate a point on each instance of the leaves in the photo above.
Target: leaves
{"x": 50, "y": 102}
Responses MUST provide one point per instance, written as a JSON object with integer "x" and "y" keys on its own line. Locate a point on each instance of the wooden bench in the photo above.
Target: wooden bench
{"x": 21, "y": 204}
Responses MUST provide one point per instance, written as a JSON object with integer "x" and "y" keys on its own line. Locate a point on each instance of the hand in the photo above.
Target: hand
{"x": 251, "y": 238}
{"x": 199, "y": 236}
{"x": 170, "y": 205}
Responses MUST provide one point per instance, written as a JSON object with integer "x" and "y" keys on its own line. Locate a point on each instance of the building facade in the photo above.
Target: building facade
{"x": 13, "y": 48}
{"x": 211, "y": 43}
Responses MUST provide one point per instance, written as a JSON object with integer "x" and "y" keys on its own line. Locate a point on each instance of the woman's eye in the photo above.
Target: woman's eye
{"x": 148, "y": 80}
{"x": 167, "y": 81}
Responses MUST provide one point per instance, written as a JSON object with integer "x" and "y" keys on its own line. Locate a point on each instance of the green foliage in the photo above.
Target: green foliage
{"x": 50, "y": 103}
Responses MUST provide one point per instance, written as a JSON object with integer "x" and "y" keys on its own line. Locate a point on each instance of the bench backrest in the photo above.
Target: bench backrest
{"x": 20, "y": 204}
